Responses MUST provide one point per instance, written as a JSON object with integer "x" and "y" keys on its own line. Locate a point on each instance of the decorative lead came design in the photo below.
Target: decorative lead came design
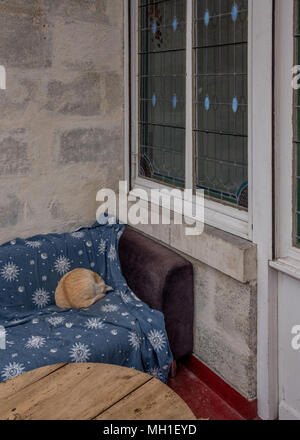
{"x": 221, "y": 99}
{"x": 162, "y": 75}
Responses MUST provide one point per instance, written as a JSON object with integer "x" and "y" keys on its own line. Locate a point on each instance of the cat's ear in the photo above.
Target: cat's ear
{"x": 108, "y": 289}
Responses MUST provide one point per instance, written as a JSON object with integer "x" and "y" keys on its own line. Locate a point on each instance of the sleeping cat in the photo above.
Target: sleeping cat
{"x": 80, "y": 289}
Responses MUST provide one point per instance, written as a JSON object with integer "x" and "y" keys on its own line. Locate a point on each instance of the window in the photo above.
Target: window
{"x": 297, "y": 129}
{"x": 190, "y": 101}
{"x": 221, "y": 116}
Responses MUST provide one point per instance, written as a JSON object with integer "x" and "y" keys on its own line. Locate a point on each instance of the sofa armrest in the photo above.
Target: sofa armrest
{"x": 164, "y": 280}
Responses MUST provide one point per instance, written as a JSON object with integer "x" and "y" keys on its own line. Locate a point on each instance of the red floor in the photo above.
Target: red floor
{"x": 204, "y": 402}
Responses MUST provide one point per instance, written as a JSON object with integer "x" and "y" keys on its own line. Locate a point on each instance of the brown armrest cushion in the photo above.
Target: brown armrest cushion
{"x": 164, "y": 280}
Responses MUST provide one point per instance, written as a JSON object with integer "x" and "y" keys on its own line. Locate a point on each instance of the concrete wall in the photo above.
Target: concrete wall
{"x": 225, "y": 327}
{"x": 61, "y": 117}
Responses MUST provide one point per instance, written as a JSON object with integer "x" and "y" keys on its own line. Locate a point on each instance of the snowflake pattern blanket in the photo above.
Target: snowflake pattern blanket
{"x": 119, "y": 329}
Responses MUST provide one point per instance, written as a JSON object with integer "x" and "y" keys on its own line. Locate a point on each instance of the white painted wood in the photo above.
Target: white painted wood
{"x": 284, "y": 129}
{"x": 189, "y": 156}
{"x": 233, "y": 221}
{"x": 289, "y": 358}
{"x": 287, "y": 264}
{"x": 261, "y": 128}
{"x": 126, "y": 93}
{"x": 134, "y": 90}
{"x": 286, "y": 412}
{"x": 250, "y": 120}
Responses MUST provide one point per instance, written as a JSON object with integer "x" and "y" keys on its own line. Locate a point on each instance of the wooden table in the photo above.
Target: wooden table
{"x": 89, "y": 392}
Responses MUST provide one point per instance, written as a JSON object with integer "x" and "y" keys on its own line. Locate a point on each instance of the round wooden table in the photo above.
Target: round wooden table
{"x": 89, "y": 392}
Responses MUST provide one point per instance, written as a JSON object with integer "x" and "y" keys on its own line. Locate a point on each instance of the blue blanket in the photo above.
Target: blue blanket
{"x": 119, "y": 329}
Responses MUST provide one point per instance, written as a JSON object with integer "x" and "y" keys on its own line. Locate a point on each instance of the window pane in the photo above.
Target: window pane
{"x": 297, "y": 128}
{"x": 162, "y": 75}
{"x": 221, "y": 99}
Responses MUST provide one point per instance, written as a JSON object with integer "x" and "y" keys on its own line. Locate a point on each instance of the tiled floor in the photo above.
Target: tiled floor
{"x": 204, "y": 402}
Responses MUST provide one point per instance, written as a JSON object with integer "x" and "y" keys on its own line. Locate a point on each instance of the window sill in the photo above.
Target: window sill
{"x": 288, "y": 266}
{"x": 230, "y": 219}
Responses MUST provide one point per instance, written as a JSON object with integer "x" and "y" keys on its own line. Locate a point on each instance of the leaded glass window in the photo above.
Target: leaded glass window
{"x": 221, "y": 99}
{"x": 297, "y": 127}
{"x": 162, "y": 76}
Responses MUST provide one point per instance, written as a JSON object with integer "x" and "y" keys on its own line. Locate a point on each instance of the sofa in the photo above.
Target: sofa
{"x": 145, "y": 322}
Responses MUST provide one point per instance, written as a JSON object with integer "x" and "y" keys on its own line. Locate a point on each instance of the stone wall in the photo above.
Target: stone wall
{"x": 225, "y": 327}
{"x": 61, "y": 121}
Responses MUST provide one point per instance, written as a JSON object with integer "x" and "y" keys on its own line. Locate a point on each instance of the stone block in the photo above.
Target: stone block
{"x": 26, "y": 41}
{"x": 14, "y": 160}
{"x": 82, "y": 96}
{"x": 90, "y": 145}
{"x": 225, "y": 327}
{"x": 233, "y": 364}
{"x": 87, "y": 46}
{"x": 11, "y": 209}
{"x": 83, "y": 10}
{"x": 19, "y": 94}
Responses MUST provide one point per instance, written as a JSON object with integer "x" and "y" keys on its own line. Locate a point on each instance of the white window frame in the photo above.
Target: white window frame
{"x": 286, "y": 253}
{"x": 228, "y": 218}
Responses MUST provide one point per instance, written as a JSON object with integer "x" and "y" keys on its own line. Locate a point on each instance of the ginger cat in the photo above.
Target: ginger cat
{"x": 80, "y": 289}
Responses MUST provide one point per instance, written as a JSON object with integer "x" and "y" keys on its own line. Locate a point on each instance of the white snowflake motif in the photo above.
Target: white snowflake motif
{"x": 134, "y": 340}
{"x": 41, "y": 298}
{"x": 12, "y": 370}
{"x": 80, "y": 352}
{"x": 157, "y": 339}
{"x": 62, "y": 265}
{"x": 126, "y": 298}
{"x": 35, "y": 342}
{"x": 112, "y": 254}
{"x": 56, "y": 320}
{"x": 114, "y": 332}
{"x": 33, "y": 244}
{"x": 108, "y": 308}
{"x": 155, "y": 372}
{"x": 77, "y": 235}
{"x": 10, "y": 272}
{"x": 94, "y": 324}
{"x": 102, "y": 247}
